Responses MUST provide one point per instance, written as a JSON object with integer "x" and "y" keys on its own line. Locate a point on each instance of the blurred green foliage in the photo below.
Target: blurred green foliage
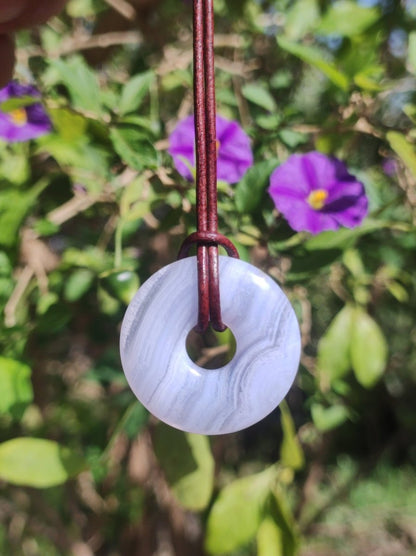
{"x": 90, "y": 211}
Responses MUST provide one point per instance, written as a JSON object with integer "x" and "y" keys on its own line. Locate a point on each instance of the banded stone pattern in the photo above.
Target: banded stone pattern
{"x": 179, "y": 392}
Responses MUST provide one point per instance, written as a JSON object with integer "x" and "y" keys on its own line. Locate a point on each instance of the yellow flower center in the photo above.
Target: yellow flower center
{"x": 218, "y": 144}
{"x": 317, "y": 198}
{"x": 18, "y": 116}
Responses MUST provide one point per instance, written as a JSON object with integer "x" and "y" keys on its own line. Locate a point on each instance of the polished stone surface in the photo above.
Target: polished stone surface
{"x": 186, "y": 396}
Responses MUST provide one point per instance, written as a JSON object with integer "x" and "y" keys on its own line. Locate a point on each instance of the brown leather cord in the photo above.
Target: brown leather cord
{"x": 206, "y": 237}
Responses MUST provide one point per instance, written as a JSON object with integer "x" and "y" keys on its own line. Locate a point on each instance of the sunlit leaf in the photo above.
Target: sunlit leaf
{"x": 279, "y": 510}
{"x": 347, "y": 18}
{"x": 411, "y": 52}
{"x": 69, "y": 125}
{"x": 37, "y": 462}
{"x": 14, "y": 168}
{"x": 14, "y": 205}
{"x": 344, "y": 237}
{"x": 258, "y": 94}
{"x": 269, "y": 539}
{"x": 291, "y": 453}
{"x": 81, "y": 82}
{"x": 77, "y": 284}
{"x": 134, "y": 92}
{"x": 188, "y": 464}
{"x": 333, "y": 361}
{"x": 16, "y": 387}
{"x": 120, "y": 283}
{"x": 134, "y": 147}
{"x": 301, "y": 18}
{"x": 370, "y": 79}
{"x": 80, "y": 8}
{"x": 237, "y": 512}
{"x": 315, "y": 57}
{"x": 368, "y": 349}
{"x": 404, "y": 149}
{"x": 15, "y": 103}
{"x": 328, "y": 418}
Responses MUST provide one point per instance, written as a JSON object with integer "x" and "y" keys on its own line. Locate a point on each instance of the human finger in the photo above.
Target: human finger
{"x": 28, "y": 13}
{"x": 7, "y": 59}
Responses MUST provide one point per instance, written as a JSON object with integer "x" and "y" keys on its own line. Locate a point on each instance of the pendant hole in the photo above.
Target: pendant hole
{"x": 212, "y": 349}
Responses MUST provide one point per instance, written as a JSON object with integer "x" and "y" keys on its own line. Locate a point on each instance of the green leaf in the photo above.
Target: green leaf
{"x": 45, "y": 227}
{"x": 369, "y": 79}
{"x": 134, "y": 420}
{"x": 134, "y": 92}
{"x": 304, "y": 263}
{"x": 86, "y": 163}
{"x": 136, "y": 200}
{"x": 135, "y": 416}
{"x": 333, "y": 361}
{"x": 249, "y": 191}
{"x": 398, "y": 291}
{"x": 347, "y": 18}
{"x": 315, "y": 57}
{"x": 81, "y": 8}
{"x": 344, "y": 237}
{"x": 15, "y": 167}
{"x": 258, "y": 94}
{"x": 269, "y": 121}
{"x": 292, "y": 138}
{"x": 133, "y": 147}
{"x": 68, "y": 124}
{"x": 16, "y": 387}
{"x": 269, "y": 539}
{"x": 279, "y": 511}
{"x": 6, "y": 267}
{"x": 353, "y": 261}
{"x": 411, "y": 52}
{"x": 15, "y": 103}
{"x": 237, "y": 512}
{"x": 188, "y": 464}
{"x": 78, "y": 283}
{"x": 81, "y": 82}
{"x": 328, "y": 418}
{"x": 45, "y": 302}
{"x": 93, "y": 258}
{"x": 301, "y": 18}
{"x": 120, "y": 283}
{"x": 368, "y": 349}
{"x": 14, "y": 205}
{"x": 404, "y": 149}
{"x": 37, "y": 463}
{"x": 291, "y": 454}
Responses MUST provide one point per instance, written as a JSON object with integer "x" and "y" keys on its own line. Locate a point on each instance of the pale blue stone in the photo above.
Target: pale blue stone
{"x": 186, "y": 396}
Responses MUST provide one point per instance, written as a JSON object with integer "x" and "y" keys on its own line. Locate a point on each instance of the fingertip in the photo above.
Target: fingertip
{"x": 33, "y": 13}
{"x": 11, "y": 10}
{"x": 7, "y": 59}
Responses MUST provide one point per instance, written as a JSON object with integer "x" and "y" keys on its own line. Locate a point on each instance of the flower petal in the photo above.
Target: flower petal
{"x": 292, "y": 175}
{"x": 234, "y": 152}
{"x": 36, "y": 121}
{"x": 291, "y": 183}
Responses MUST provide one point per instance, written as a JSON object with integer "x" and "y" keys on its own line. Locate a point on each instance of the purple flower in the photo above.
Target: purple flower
{"x": 315, "y": 192}
{"x": 234, "y": 150}
{"x": 25, "y": 122}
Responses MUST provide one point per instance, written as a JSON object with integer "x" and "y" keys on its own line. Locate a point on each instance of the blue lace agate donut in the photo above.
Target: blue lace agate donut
{"x": 174, "y": 388}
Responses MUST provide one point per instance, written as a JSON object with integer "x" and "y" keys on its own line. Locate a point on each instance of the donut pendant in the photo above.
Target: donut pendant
{"x": 179, "y": 392}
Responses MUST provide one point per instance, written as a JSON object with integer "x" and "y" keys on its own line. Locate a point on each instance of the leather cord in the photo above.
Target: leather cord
{"x": 206, "y": 237}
